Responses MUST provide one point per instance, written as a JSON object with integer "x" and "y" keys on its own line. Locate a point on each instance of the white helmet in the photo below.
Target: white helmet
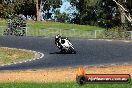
{"x": 57, "y": 36}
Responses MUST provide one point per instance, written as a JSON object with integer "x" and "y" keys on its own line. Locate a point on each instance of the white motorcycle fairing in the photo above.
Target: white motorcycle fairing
{"x": 67, "y": 45}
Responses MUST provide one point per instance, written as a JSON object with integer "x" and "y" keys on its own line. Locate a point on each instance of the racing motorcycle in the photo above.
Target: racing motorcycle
{"x": 64, "y": 45}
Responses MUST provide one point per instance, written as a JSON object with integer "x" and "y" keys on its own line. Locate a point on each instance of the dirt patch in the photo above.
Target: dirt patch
{"x": 59, "y": 75}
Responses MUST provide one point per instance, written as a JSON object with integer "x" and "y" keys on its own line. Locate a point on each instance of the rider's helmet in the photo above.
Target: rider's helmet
{"x": 57, "y": 37}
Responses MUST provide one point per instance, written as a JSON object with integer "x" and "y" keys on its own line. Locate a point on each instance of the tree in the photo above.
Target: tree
{"x": 5, "y": 10}
{"x": 125, "y": 10}
{"x": 46, "y": 5}
{"x": 1, "y": 1}
{"x": 104, "y": 13}
{"x": 108, "y": 14}
{"x": 25, "y": 7}
{"x": 86, "y": 11}
{"x": 61, "y": 17}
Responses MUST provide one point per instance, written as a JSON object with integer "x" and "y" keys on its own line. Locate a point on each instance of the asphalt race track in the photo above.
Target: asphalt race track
{"x": 89, "y": 52}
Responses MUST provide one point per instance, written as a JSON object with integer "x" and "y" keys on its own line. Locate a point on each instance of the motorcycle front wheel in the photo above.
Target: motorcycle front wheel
{"x": 72, "y": 50}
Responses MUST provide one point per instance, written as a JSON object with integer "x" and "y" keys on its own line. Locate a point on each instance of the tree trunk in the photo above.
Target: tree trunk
{"x": 40, "y": 10}
{"x": 37, "y": 11}
{"x": 122, "y": 16}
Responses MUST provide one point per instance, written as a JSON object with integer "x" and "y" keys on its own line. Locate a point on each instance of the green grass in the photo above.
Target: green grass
{"x": 2, "y": 26}
{"x": 62, "y": 85}
{"x": 2, "y": 22}
{"x": 50, "y": 29}
{"x": 8, "y": 55}
{"x": 57, "y": 25}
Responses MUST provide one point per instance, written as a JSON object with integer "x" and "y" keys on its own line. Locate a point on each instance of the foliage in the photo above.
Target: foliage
{"x": 19, "y": 7}
{"x": 16, "y": 26}
{"x": 108, "y": 14}
{"x": 26, "y": 7}
{"x": 104, "y": 13}
{"x": 50, "y": 3}
{"x": 61, "y": 17}
{"x": 86, "y": 11}
{"x": 127, "y": 4}
{"x": 117, "y": 33}
{"x": 5, "y": 10}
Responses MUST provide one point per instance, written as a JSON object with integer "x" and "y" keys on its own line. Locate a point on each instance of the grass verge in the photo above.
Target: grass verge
{"x": 50, "y": 29}
{"x": 57, "y": 25}
{"x": 62, "y": 85}
{"x": 10, "y": 55}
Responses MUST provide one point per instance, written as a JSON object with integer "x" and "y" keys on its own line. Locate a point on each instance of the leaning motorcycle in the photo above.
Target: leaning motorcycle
{"x": 65, "y": 46}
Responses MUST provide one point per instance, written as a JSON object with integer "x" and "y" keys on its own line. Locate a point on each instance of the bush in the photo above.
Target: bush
{"x": 116, "y": 33}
